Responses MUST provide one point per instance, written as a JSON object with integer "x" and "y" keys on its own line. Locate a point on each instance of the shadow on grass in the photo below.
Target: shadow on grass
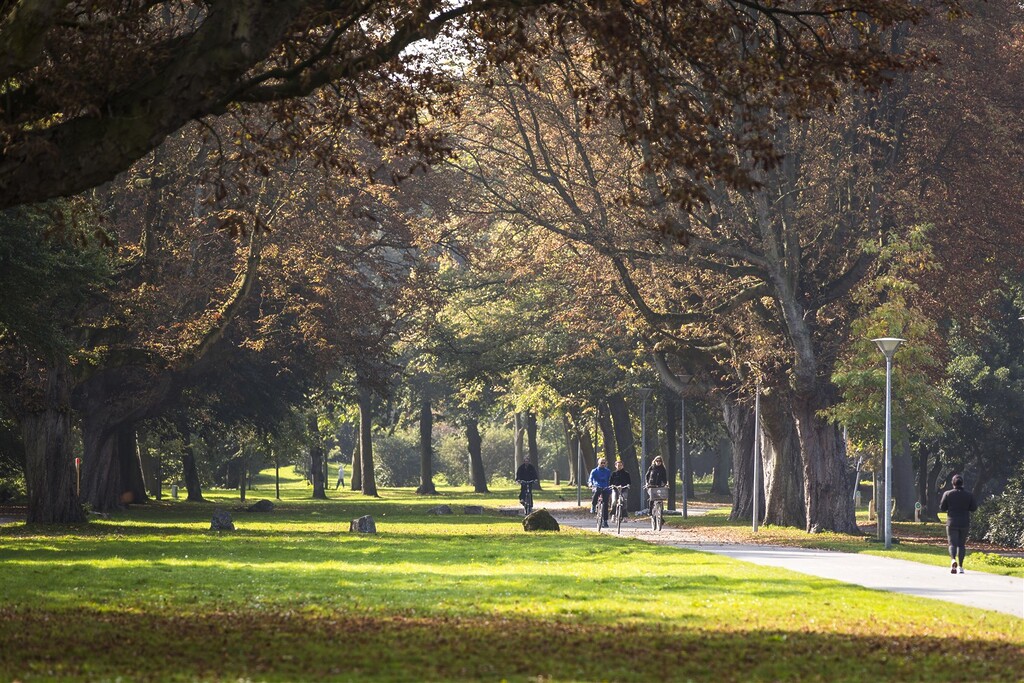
{"x": 87, "y": 644}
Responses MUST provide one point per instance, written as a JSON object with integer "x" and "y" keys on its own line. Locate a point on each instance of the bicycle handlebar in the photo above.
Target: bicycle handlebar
{"x": 531, "y": 481}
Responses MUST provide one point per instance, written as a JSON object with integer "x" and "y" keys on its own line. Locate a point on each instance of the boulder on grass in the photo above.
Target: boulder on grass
{"x": 473, "y": 509}
{"x": 261, "y": 506}
{"x": 540, "y": 520}
{"x": 440, "y": 510}
{"x": 221, "y": 521}
{"x": 363, "y": 525}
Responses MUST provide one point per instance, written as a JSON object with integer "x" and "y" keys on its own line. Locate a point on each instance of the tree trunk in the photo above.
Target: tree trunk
{"x": 626, "y": 446}
{"x": 101, "y": 471}
{"x": 929, "y": 503}
{"x": 903, "y": 477}
{"x": 671, "y": 446}
{"x": 476, "y": 462}
{"x": 50, "y": 477}
{"x": 518, "y": 432}
{"x": 316, "y": 455}
{"x": 826, "y": 471}
{"x": 739, "y": 424}
{"x": 782, "y": 467}
{"x": 531, "y": 445}
{"x": 132, "y": 480}
{"x": 604, "y": 419}
{"x": 723, "y": 465}
{"x": 188, "y": 462}
{"x": 369, "y": 483}
{"x": 426, "y": 486}
{"x": 355, "y": 481}
{"x": 572, "y": 444}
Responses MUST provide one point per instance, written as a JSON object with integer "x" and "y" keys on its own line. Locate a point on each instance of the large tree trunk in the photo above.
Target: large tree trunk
{"x": 604, "y": 419}
{"x": 101, "y": 471}
{"x": 369, "y": 482}
{"x": 739, "y": 424}
{"x": 426, "y": 486}
{"x": 476, "y": 461}
{"x": 50, "y": 477}
{"x": 782, "y": 465}
{"x": 626, "y": 446}
{"x": 826, "y": 471}
{"x": 929, "y": 502}
{"x": 903, "y": 477}
{"x": 316, "y": 455}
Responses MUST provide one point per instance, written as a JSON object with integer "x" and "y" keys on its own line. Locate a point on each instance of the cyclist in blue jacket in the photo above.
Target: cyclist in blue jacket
{"x": 599, "y": 478}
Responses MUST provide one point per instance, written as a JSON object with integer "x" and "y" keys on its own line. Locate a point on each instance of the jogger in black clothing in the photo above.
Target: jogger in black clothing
{"x": 958, "y": 505}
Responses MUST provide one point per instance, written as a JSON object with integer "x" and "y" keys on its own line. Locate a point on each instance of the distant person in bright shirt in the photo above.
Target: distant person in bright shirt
{"x": 341, "y": 477}
{"x": 600, "y": 476}
{"x": 958, "y": 504}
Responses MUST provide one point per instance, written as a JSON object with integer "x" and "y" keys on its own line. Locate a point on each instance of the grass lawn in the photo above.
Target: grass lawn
{"x": 153, "y": 594}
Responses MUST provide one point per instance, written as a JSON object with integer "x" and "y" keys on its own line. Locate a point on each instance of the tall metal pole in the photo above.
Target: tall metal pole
{"x": 757, "y": 455}
{"x": 888, "y": 451}
{"x": 682, "y": 448}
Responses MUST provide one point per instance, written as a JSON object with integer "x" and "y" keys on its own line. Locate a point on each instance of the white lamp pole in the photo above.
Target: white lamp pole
{"x": 888, "y": 346}
{"x": 644, "y": 395}
{"x": 684, "y": 380}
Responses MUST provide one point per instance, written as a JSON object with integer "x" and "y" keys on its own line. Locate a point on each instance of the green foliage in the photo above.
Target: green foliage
{"x": 51, "y": 261}
{"x": 919, "y": 400}
{"x": 1000, "y": 520}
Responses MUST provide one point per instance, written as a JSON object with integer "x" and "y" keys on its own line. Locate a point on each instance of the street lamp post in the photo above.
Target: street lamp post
{"x": 684, "y": 380}
{"x": 645, "y": 393}
{"x": 888, "y": 346}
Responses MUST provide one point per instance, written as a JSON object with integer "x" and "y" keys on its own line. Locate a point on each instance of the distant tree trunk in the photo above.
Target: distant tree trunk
{"x": 829, "y": 507}
{"x": 903, "y": 477}
{"x": 626, "y": 446}
{"x": 572, "y": 443}
{"x": 604, "y": 419}
{"x": 672, "y": 445}
{"x": 243, "y": 472}
{"x": 476, "y": 461}
{"x": 723, "y": 466}
{"x": 50, "y": 477}
{"x": 929, "y": 502}
{"x": 188, "y": 462}
{"x": 782, "y": 466}
{"x": 531, "y": 444}
{"x": 369, "y": 487}
{"x": 356, "y": 480}
{"x": 518, "y": 432}
{"x": 316, "y": 455}
{"x": 277, "y": 475}
{"x": 739, "y": 424}
{"x": 426, "y": 486}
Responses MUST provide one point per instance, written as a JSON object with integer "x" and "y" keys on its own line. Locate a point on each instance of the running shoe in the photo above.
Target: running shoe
{"x": 952, "y": 567}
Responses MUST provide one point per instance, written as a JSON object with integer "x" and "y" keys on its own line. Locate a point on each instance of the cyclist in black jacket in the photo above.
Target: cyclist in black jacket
{"x": 526, "y": 474}
{"x": 958, "y": 505}
{"x": 620, "y": 477}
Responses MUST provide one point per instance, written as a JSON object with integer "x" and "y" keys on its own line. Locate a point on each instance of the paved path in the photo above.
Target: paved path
{"x": 974, "y": 589}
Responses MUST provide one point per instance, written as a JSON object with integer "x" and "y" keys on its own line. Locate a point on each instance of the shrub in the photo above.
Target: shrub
{"x": 1000, "y": 520}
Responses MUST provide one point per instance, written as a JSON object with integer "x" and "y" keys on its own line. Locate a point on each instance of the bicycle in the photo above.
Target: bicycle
{"x": 657, "y": 495}
{"x": 619, "y": 510}
{"x": 602, "y": 509}
{"x": 527, "y": 501}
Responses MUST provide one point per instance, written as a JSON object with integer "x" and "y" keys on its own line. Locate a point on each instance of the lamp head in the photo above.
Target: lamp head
{"x": 888, "y": 345}
{"x": 645, "y": 393}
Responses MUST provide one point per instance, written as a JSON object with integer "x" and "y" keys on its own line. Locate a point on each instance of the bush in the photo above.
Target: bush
{"x": 1000, "y": 520}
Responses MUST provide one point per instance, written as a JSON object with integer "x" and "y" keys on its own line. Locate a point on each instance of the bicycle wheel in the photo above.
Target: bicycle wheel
{"x": 654, "y": 516}
{"x": 529, "y": 502}
{"x": 618, "y": 518}
{"x": 660, "y": 514}
{"x": 602, "y": 511}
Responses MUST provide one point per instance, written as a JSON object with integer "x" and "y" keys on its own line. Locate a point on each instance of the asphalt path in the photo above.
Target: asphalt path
{"x": 974, "y": 589}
